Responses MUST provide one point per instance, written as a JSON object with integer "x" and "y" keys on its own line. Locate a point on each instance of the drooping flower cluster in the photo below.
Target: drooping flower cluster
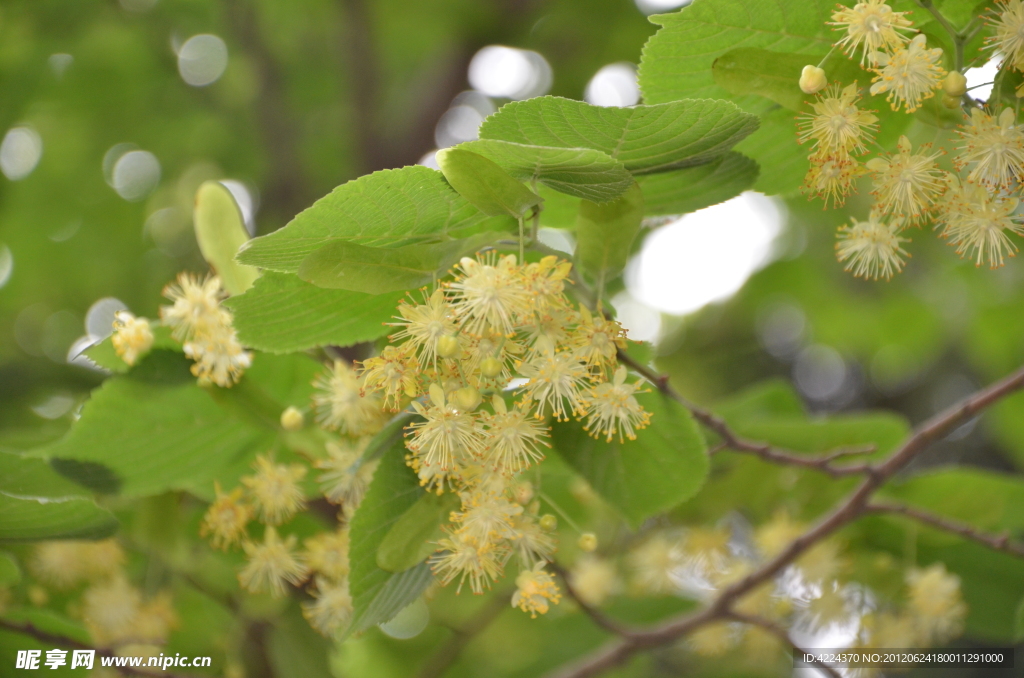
{"x": 273, "y": 495}
{"x": 116, "y": 612}
{"x": 453, "y": 359}
{"x": 974, "y": 206}
{"x": 812, "y": 595}
{"x": 199, "y": 322}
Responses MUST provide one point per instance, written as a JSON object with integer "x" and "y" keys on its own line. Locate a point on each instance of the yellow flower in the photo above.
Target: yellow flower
{"x": 327, "y": 553}
{"x": 346, "y": 475}
{"x": 596, "y": 341}
{"x": 871, "y": 25}
{"x": 993, "y": 148}
{"x": 654, "y": 563}
{"x": 907, "y": 184}
{"x": 714, "y": 639}
{"x": 935, "y": 603}
{"x": 485, "y": 518}
{"x": 219, "y": 358}
{"x": 226, "y": 518}
{"x": 777, "y": 534}
{"x": 594, "y": 579}
{"x": 977, "y": 223}
{"x": 331, "y": 609}
{"x": 871, "y": 248}
{"x": 837, "y": 125}
{"x": 489, "y": 293}
{"x": 447, "y": 437}
{"x": 196, "y": 308}
{"x": 340, "y": 404}
{"x": 531, "y": 542}
{"x": 535, "y": 591}
{"x": 832, "y": 177}
{"x": 612, "y": 409}
{"x": 275, "y": 487}
{"x": 272, "y": 565}
{"x": 463, "y": 560}
{"x": 1008, "y": 22}
{"x": 909, "y": 75}
{"x": 110, "y": 609}
{"x": 394, "y": 373}
{"x": 545, "y": 280}
{"x": 513, "y": 438}
{"x": 424, "y": 324}
{"x": 63, "y": 564}
{"x": 132, "y": 336}
{"x": 156, "y": 619}
{"x": 555, "y": 381}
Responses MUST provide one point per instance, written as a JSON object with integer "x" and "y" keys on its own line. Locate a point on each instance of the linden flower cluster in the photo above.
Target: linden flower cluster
{"x": 453, "y": 358}
{"x": 812, "y": 594}
{"x": 116, "y": 613}
{"x": 199, "y": 322}
{"x": 973, "y": 207}
{"x": 273, "y": 495}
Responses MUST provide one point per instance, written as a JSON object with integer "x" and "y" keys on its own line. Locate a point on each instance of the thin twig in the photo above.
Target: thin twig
{"x": 30, "y": 629}
{"x": 780, "y": 633}
{"x": 737, "y": 443}
{"x": 1000, "y": 543}
{"x": 854, "y": 506}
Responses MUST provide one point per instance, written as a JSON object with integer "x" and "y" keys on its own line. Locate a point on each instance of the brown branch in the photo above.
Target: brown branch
{"x": 440, "y": 661}
{"x": 30, "y": 629}
{"x": 780, "y": 633}
{"x": 1000, "y": 543}
{"x": 733, "y": 441}
{"x": 855, "y": 505}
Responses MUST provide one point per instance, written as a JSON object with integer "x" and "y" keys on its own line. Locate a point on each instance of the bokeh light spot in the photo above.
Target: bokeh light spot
{"x": 99, "y": 319}
{"x": 613, "y": 85}
{"x": 509, "y": 73}
{"x": 202, "y": 59}
{"x": 6, "y": 265}
{"x": 705, "y": 256}
{"x": 135, "y": 175}
{"x": 657, "y": 6}
{"x": 20, "y": 152}
{"x": 982, "y": 78}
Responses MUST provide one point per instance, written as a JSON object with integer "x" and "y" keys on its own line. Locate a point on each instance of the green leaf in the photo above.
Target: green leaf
{"x": 390, "y": 208}
{"x": 37, "y": 503}
{"x": 377, "y": 595}
{"x": 295, "y": 649}
{"x": 605, "y": 233}
{"x": 376, "y": 270}
{"x": 10, "y": 573}
{"x": 579, "y": 172}
{"x": 775, "y": 147}
{"x": 282, "y": 313}
{"x": 1018, "y": 623}
{"x": 776, "y": 75}
{"x": 643, "y": 138}
{"x": 666, "y": 465}
{"x": 677, "y": 61}
{"x": 692, "y": 188}
{"x": 410, "y": 540}
{"x": 154, "y": 429}
{"x": 485, "y": 184}
{"x": 220, "y": 231}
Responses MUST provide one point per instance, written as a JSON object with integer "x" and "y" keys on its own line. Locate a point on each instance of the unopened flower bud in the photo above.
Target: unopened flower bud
{"x": 448, "y": 346}
{"x": 548, "y": 522}
{"x": 950, "y": 102}
{"x": 588, "y": 542}
{"x": 490, "y": 367}
{"x": 292, "y": 419}
{"x": 812, "y": 79}
{"x": 955, "y": 84}
{"x": 467, "y": 398}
